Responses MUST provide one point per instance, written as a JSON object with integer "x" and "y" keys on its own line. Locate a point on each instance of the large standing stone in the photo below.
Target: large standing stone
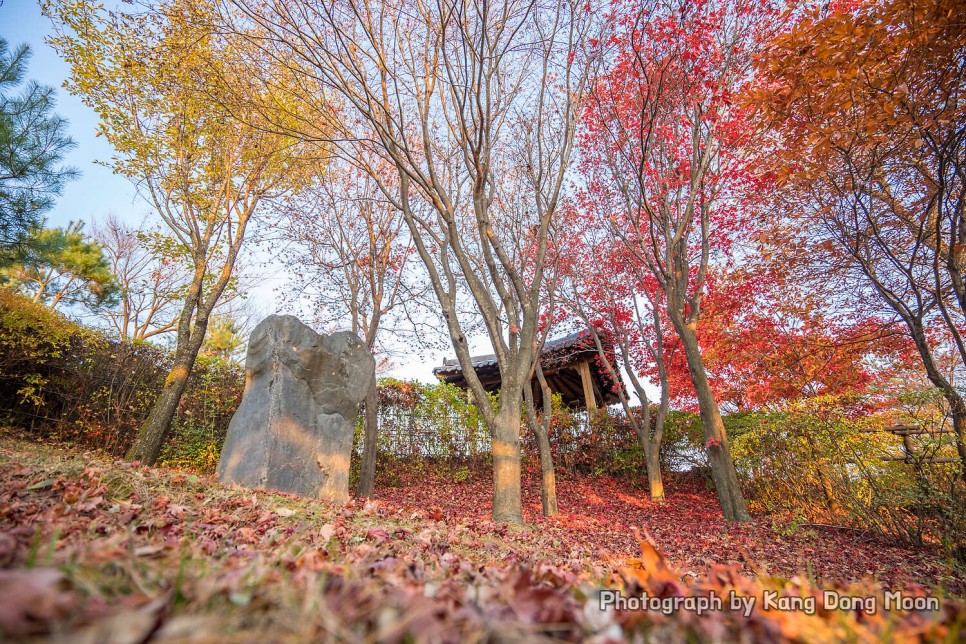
{"x": 293, "y": 430}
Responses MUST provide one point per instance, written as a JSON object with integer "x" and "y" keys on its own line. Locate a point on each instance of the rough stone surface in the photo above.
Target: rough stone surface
{"x": 293, "y": 430}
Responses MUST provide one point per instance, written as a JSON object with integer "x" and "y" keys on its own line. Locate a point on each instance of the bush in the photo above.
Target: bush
{"x": 597, "y": 443}
{"x": 64, "y": 382}
{"x": 424, "y": 429}
{"x": 819, "y": 462}
{"x": 31, "y": 337}
{"x": 214, "y": 393}
{"x": 429, "y": 421}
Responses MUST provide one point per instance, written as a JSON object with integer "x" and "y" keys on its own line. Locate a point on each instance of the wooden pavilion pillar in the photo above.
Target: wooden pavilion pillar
{"x": 583, "y": 368}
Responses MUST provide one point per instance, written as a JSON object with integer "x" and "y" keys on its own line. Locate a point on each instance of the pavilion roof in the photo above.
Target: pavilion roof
{"x": 559, "y": 360}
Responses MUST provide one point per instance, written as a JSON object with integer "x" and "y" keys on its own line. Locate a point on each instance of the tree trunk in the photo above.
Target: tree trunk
{"x": 652, "y": 451}
{"x": 541, "y": 427}
{"x": 548, "y": 480}
{"x": 151, "y": 437}
{"x": 505, "y": 433}
{"x": 828, "y": 491}
{"x": 716, "y": 440}
{"x": 824, "y": 480}
{"x": 367, "y": 474}
{"x": 655, "y": 480}
{"x": 657, "y": 495}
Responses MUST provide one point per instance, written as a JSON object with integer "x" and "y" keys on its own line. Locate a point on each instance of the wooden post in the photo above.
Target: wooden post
{"x": 907, "y": 447}
{"x": 584, "y": 369}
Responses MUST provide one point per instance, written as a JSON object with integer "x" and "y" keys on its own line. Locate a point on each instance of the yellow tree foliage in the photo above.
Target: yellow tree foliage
{"x": 191, "y": 130}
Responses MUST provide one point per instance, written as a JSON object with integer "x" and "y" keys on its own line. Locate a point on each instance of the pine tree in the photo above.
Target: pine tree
{"x": 33, "y": 142}
{"x": 63, "y": 266}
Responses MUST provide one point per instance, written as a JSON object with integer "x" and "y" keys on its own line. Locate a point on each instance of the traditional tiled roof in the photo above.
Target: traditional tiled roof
{"x": 559, "y": 360}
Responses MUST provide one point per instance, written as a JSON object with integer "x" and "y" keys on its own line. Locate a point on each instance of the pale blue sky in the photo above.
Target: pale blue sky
{"x": 98, "y": 191}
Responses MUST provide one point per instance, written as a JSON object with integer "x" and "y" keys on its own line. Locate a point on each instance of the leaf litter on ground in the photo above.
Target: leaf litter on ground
{"x": 109, "y": 551}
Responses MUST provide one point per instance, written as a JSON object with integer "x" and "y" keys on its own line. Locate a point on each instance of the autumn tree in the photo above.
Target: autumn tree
{"x": 225, "y": 338}
{"x": 770, "y": 337}
{"x": 868, "y": 99}
{"x": 150, "y": 277}
{"x": 667, "y": 159}
{"x": 33, "y": 143}
{"x": 351, "y": 253}
{"x": 157, "y": 77}
{"x": 618, "y": 300}
{"x": 63, "y": 266}
{"x": 472, "y": 105}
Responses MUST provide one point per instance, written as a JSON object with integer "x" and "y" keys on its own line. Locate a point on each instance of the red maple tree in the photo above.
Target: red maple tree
{"x": 669, "y": 165}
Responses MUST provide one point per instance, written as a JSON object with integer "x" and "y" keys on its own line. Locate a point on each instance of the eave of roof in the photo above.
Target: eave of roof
{"x": 550, "y": 347}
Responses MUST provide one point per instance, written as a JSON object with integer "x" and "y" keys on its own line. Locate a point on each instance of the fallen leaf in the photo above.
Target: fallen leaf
{"x": 126, "y": 627}
{"x": 378, "y": 535}
{"x": 148, "y": 551}
{"x": 31, "y": 600}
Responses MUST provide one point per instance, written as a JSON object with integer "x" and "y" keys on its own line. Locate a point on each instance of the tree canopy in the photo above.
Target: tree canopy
{"x": 185, "y": 118}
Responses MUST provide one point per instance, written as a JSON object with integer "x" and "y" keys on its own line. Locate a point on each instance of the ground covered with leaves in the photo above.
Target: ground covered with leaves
{"x": 601, "y": 513}
{"x": 93, "y": 550}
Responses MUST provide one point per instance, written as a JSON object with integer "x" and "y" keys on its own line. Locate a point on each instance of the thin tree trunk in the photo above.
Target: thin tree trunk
{"x": 657, "y": 496}
{"x": 367, "y": 474}
{"x": 716, "y": 440}
{"x": 548, "y": 479}
{"x": 541, "y": 430}
{"x": 652, "y": 450}
{"x": 655, "y": 479}
{"x": 147, "y": 445}
{"x": 651, "y": 445}
{"x": 824, "y": 480}
{"x": 828, "y": 491}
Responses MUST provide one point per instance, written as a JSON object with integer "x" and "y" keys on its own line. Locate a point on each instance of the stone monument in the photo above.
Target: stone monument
{"x": 293, "y": 430}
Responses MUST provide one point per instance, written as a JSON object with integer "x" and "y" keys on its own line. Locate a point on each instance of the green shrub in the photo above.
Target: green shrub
{"x": 32, "y": 337}
{"x": 822, "y": 462}
{"x": 64, "y": 382}
{"x": 433, "y": 421}
{"x": 214, "y": 392}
